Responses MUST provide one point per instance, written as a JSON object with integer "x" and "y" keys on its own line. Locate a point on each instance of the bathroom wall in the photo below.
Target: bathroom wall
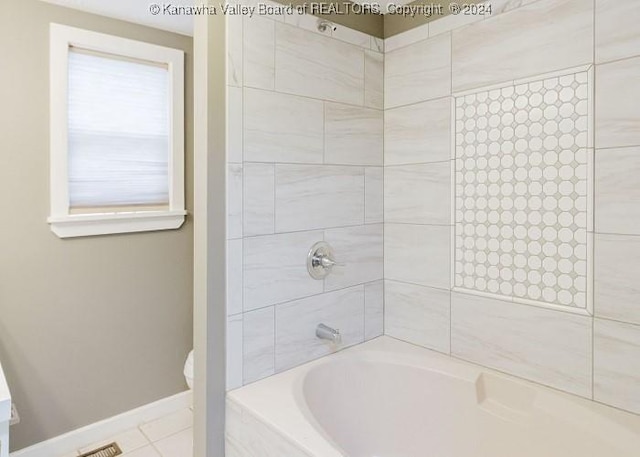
{"x": 587, "y": 348}
{"x": 304, "y": 165}
{"x": 89, "y": 327}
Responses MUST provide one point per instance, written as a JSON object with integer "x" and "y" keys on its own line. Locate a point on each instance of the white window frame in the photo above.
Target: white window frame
{"x": 62, "y": 222}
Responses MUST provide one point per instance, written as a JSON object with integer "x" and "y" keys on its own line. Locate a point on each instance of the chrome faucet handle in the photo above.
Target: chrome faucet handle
{"x": 328, "y": 262}
{"x": 320, "y": 260}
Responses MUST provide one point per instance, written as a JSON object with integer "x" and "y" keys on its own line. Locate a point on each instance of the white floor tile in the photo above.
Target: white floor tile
{"x": 178, "y": 445}
{"x": 147, "y": 451}
{"x": 168, "y": 425}
{"x": 128, "y": 441}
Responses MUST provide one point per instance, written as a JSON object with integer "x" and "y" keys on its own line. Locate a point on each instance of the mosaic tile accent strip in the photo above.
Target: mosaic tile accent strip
{"x": 523, "y": 179}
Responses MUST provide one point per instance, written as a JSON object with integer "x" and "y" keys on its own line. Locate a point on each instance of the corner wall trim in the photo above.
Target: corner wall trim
{"x": 72, "y": 441}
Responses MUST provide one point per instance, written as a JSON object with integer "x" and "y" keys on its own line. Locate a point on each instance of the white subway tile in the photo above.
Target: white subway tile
{"x": 617, "y": 262}
{"x": 234, "y": 277}
{"x": 543, "y": 345}
{"x": 360, "y": 249}
{"x": 234, "y": 50}
{"x": 374, "y": 198}
{"x": 259, "y": 344}
{"x": 318, "y": 196}
{"x": 352, "y": 135}
{"x": 523, "y": 42}
{"x": 234, "y": 128}
{"x": 418, "y": 133}
{"x": 409, "y": 37}
{"x": 296, "y": 342}
{"x": 259, "y": 52}
{"x": 373, "y": 310}
{"x": 617, "y": 111}
{"x": 418, "y": 72}
{"x": 234, "y": 201}
{"x": 418, "y": 315}
{"x": 275, "y": 268}
{"x": 373, "y": 79}
{"x": 282, "y": 128}
{"x": 234, "y": 352}
{"x": 617, "y": 199}
{"x": 617, "y": 31}
{"x": 418, "y": 254}
{"x": 616, "y": 371}
{"x": 259, "y": 198}
{"x": 352, "y": 36}
{"x": 317, "y": 66}
{"x": 418, "y": 194}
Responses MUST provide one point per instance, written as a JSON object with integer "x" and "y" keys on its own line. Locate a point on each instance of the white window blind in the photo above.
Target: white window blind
{"x": 118, "y": 132}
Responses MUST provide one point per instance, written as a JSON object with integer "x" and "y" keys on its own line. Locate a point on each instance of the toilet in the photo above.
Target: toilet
{"x": 188, "y": 370}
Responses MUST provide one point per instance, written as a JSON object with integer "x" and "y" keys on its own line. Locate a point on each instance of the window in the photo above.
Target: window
{"x": 117, "y": 134}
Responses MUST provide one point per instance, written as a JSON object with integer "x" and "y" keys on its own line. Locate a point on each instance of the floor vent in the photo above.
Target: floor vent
{"x": 110, "y": 450}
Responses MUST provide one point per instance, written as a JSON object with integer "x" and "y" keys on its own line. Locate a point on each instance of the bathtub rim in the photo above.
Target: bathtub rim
{"x": 293, "y": 421}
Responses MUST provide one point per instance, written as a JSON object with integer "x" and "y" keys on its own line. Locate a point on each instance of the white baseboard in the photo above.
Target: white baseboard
{"x": 71, "y": 441}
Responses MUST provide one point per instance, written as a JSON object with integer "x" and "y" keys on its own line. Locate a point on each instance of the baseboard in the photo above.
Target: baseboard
{"x": 71, "y": 441}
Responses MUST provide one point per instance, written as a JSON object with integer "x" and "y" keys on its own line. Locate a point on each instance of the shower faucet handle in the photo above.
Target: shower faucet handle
{"x": 328, "y": 262}
{"x": 320, "y": 260}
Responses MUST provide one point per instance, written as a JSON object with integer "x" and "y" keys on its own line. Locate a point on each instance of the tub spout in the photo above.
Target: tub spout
{"x": 325, "y": 332}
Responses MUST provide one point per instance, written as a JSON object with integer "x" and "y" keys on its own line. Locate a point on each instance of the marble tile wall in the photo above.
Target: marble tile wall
{"x": 594, "y": 355}
{"x": 305, "y": 164}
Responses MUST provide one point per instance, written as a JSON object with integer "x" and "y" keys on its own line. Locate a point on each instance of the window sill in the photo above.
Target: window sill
{"x": 112, "y": 223}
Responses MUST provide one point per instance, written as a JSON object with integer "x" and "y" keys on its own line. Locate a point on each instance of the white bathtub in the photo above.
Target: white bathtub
{"x": 386, "y": 398}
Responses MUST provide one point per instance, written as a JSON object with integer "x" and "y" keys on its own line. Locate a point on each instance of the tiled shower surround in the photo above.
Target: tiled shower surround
{"x": 308, "y": 146}
{"x": 305, "y": 157}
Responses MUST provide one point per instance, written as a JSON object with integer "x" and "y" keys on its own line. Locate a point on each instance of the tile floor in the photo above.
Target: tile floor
{"x": 169, "y": 436}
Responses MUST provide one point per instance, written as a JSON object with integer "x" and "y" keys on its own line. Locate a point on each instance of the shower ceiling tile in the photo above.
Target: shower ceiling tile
{"x": 523, "y": 186}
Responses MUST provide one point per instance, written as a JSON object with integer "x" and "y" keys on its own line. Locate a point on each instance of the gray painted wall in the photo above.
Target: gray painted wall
{"x": 89, "y": 327}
